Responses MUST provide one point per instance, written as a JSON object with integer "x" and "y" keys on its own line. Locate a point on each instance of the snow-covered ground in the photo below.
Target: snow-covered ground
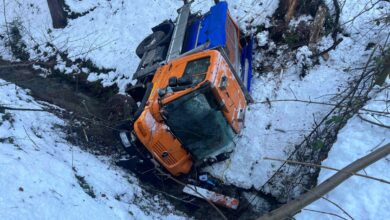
{"x": 361, "y": 198}
{"x": 274, "y": 131}
{"x": 43, "y": 176}
{"x": 109, "y": 34}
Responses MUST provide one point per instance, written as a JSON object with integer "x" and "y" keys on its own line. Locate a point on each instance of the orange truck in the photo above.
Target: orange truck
{"x": 191, "y": 93}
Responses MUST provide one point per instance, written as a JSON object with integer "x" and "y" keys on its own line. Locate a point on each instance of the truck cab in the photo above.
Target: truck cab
{"x": 192, "y": 87}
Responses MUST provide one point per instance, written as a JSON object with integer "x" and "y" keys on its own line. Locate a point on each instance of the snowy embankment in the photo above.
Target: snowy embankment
{"x": 361, "y": 198}
{"x": 274, "y": 128}
{"x": 109, "y": 34}
{"x": 43, "y": 176}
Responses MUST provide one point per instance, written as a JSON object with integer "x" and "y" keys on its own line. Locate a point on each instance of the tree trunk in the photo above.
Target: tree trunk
{"x": 328, "y": 185}
{"x": 58, "y": 14}
{"x": 292, "y": 6}
{"x": 318, "y": 25}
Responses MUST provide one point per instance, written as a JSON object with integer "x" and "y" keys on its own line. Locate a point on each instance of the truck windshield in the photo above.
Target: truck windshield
{"x": 197, "y": 69}
{"x": 196, "y": 121}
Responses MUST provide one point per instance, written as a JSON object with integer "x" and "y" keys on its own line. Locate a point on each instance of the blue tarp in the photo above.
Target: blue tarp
{"x": 213, "y": 28}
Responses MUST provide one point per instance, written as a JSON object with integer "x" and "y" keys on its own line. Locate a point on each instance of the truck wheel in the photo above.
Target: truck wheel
{"x": 120, "y": 108}
{"x": 123, "y": 132}
{"x": 150, "y": 42}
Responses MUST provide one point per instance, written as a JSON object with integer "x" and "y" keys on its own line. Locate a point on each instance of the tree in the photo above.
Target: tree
{"x": 58, "y": 14}
{"x": 294, "y": 206}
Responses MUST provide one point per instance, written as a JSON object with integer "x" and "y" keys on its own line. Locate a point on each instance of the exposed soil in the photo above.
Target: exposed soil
{"x": 80, "y": 103}
{"x": 86, "y": 110}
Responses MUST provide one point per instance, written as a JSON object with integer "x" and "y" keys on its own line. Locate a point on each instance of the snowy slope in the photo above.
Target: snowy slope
{"x": 43, "y": 176}
{"x": 361, "y": 198}
{"x": 273, "y": 131}
{"x": 109, "y": 34}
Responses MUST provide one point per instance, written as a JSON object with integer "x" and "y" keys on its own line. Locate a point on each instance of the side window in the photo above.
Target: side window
{"x": 197, "y": 69}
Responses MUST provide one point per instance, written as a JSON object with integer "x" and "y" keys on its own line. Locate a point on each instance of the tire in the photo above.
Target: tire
{"x": 150, "y": 42}
{"x": 140, "y": 159}
{"x": 123, "y": 133}
{"x": 121, "y": 108}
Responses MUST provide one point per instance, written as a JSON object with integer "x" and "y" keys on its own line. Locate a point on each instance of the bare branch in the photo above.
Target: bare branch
{"x": 327, "y": 213}
{"x": 328, "y": 185}
{"x": 374, "y": 123}
{"x": 326, "y": 167}
{"x": 2, "y": 108}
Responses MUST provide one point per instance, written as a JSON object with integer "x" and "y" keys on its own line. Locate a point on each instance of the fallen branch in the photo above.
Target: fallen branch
{"x": 36, "y": 146}
{"x": 318, "y": 103}
{"x": 2, "y": 108}
{"x": 183, "y": 184}
{"x": 327, "y": 168}
{"x": 335, "y": 44}
{"x": 328, "y": 185}
{"x": 27, "y": 64}
{"x": 373, "y": 122}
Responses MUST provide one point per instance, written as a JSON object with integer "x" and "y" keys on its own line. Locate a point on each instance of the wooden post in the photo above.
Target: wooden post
{"x": 58, "y": 14}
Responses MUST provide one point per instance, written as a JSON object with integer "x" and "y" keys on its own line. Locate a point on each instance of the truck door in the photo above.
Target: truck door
{"x": 229, "y": 92}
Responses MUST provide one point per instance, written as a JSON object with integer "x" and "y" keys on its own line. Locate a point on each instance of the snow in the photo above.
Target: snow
{"x": 262, "y": 38}
{"x": 361, "y": 198}
{"x": 39, "y": 168}
{"x": 109, "y": 35}
{"x": 274, "y": 131}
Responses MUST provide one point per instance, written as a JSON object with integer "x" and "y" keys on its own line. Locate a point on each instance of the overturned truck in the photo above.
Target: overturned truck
{"x": 191, "y": 92}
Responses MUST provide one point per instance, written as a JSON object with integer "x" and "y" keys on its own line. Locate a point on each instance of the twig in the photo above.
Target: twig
{"x": 169, "y": 195}
{"x": 338, "y": 206}
{"x": 268, "y": 101}
{"x": 327, "y": 213}
{"x": 335, "y": 44}
{"x": 36, "y": 146}
{"x": 6, "y": 23}
{"x": 183, "y": 184}
{"x": 335, "y": 204}
{"x": 372, "y": 122}
{"x": 21, "y": 109}
{"x": 326, "y": 167}
{"x": 6, "y": 84}
{"x": 362, "y": 12}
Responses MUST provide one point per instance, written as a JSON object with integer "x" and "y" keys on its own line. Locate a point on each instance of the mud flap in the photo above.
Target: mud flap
{"x": 211, "y": 196}
{"x": 246, "y": 63}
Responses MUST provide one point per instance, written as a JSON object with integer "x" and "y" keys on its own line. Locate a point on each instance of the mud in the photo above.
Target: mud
{"x": 86, "y": 110}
